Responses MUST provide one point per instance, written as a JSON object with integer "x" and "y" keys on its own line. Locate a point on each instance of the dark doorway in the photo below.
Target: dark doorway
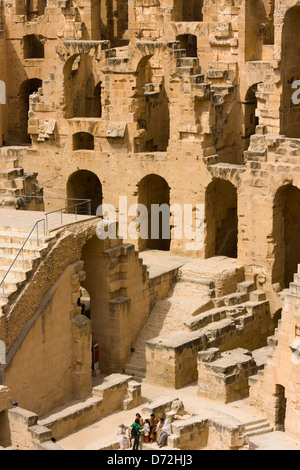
{"x": 280, "y": 408}
{"x": 26, "y": 89}
{"x": 221, "y": 219}
{"x": 84, "y": 184}
{"x": 286, "y": 230}
{"x": 189, "y": 43}
{"x": 154, "y": 189}
{"x": 33, "y": 47}
{"x": 83, "y": 141}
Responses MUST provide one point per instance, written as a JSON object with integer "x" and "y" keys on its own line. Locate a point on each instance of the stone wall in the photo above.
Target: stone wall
{"x": 275, "y": 392}
{"x": 224, "y": 377}
{"x": 44, "y": 352}
{"x": 171, "y": 361}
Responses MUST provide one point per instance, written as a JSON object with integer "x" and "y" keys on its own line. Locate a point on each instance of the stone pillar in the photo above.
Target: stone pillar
{"x": 81, "y": 356}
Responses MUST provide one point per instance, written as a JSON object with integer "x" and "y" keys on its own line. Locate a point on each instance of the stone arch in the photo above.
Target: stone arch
{"x": 285, "y": 234}
{"x": 84, "y": 184}
{"x": 83, "y": 141}
{"x": 27, "y": 88}
{"x": 153, "y": 106}
{"x": 250, "y": 118}
{"x": 81, "y": 78}
{"x": 221, "y": 219}
{"x": 290, "y": 73}
{"x": 154, "y": 189}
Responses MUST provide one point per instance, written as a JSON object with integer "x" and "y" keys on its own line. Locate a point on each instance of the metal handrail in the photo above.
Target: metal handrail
{"x": 45, "y": 227}
{"x": 2, "y": 283}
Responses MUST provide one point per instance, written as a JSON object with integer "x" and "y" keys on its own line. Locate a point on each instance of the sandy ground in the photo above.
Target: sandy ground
{"x": 103, "y": 431}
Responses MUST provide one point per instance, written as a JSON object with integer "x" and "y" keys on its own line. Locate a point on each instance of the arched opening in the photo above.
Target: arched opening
{"x": 188, "y": 10}
{"x": 290, "y": 70}
{"x": 114, "y": 22}
{"x": 154, "y": 190}
{"x": 94, "y": 103}
{"x": 33, "y": 47}
{"x": 286, "y": 233}
{"x": 84, "y": 184}
{"x": 153, "y": 110}
{"x": 83, "y": 141}
{"x": 280, "y": 408}
{"x": 82, "y": 88}
{"x": 251, "y": 120}
{"x": 189, "y": 43}
{"x": 26, "y": 89}
{"x": 221, "y": 219}
{"x": 30, "y": 8}
{"x": 266, "y": 11}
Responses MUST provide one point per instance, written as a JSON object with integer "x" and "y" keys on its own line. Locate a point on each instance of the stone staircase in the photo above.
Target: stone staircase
{"x": 222, "y": 73}
{"x": 185, "y": 299}
{"x": 191, "y": 305}
{"x": 14, "y": 181}
{"x": 257, "y": 427}
{"x": 11, "y": 241}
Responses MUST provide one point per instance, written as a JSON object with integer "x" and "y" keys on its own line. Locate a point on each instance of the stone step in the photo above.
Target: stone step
{"x": 136, "y": 371}
{"x": 231, "y": 299}
{"x": 179, "y": 53}
{"x": 257, "y": 432}
{"x": 15, "y": 237}
{"x": 7, "y": 201}
{"x": 11, "y": 163}
{"x": 152, "y": 89}
{"x": 14, "y": 248}
{"x": 222, "y": 89}
{"x": 6, "y": 291}
{"x": 257, "y": 296}
{"x": 246, "y": 286}
{"x": 8, "y": 188}
{"x": 22, "y": 261}
{"x": 193, "y": 283}
{"x": 16, "y": 273}
{"x": 187, "y": 62}
{"x": 217, "y": 74}
{"x": 272, "y": 341}
{"x": 204, "y": 319}
{"x": 252, "y": 380}
{"x": 11, "y": 173}
{"x": 197, "y": 78}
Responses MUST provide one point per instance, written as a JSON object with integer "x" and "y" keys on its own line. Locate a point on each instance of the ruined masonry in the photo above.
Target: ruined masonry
{"x": 169, "y": 102}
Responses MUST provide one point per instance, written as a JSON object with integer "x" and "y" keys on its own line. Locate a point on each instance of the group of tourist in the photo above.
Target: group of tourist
{"x": 151, "y": 429}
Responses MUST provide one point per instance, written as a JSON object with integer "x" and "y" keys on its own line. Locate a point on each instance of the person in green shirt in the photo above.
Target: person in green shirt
{"x": 135, "y": 433}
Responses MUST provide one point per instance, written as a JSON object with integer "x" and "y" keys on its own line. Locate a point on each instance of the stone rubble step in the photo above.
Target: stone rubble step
{"x": 265, "y": 430}
{"x": 11, "y": 173}
{"x": 245, "y": 286}
{"x": 272, "y": 341}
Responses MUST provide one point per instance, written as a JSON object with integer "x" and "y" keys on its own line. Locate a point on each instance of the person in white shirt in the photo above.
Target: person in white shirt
{"x": 166, "y": 431}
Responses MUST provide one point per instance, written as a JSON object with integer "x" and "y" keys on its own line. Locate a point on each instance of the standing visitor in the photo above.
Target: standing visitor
{"x": 135, "y": 433}
{"x": 153, "y": 425}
